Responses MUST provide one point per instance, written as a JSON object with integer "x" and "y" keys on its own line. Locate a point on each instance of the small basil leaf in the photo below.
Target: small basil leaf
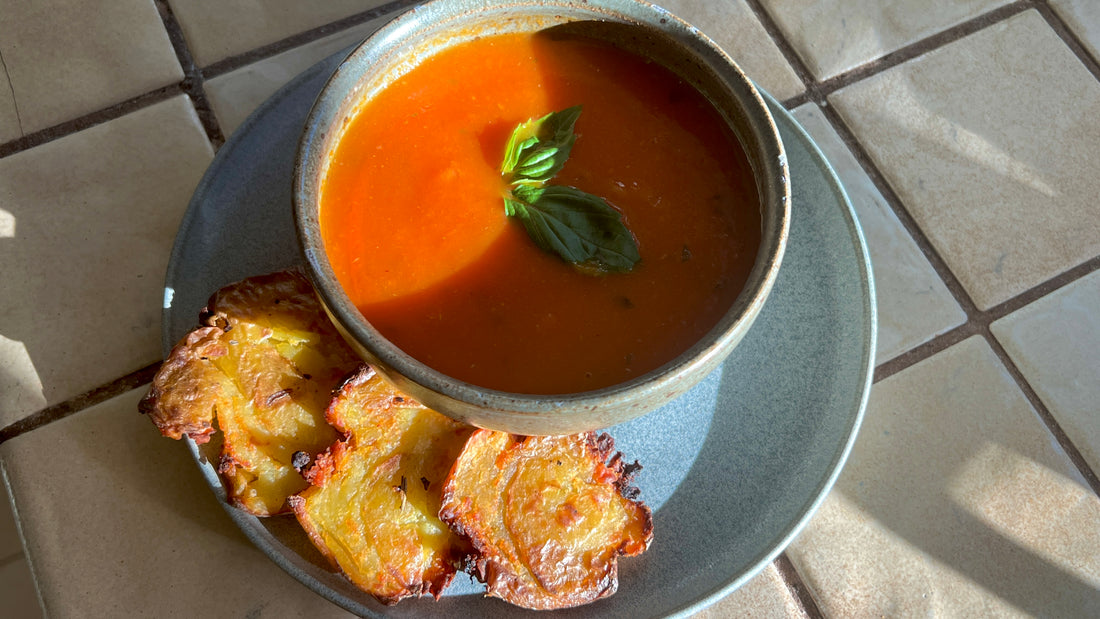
{"x": 537, "y": 149}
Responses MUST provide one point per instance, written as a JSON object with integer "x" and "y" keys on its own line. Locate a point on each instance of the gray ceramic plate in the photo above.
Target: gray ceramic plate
{"x": 733, "y": 470}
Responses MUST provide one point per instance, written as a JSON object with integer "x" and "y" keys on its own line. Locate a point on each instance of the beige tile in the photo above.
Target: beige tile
{"x": 913, "y": 303}
{"x": 735, "y": 28}
{"x": 766, "y": 596}
{"x": 834, "y": 36}
{"x": 1055, "y": 342}
{"x": 218, "y": 29}
{"x": 17, "y": 589}
{"x": 87, "y": 224}
{"x": 9, "y": 112}
{"x": 119, "y": 522}
{"x": 10, "y": 546}
{"x": 990, "y": 143}
{"x": 955, "y": 502}
{"x": 1083, "y": 18}
{"x": 236, "y": 94}
{"x": 67, "y": 58}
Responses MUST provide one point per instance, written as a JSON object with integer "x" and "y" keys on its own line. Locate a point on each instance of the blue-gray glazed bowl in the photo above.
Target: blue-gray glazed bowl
{"x": 633, "y": 24}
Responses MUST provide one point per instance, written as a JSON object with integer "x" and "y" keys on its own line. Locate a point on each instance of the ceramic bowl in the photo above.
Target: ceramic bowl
{"x": 643, "y": 28}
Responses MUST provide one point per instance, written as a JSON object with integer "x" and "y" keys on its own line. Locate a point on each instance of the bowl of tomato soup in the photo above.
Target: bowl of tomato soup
{"x": 541, "y": 217}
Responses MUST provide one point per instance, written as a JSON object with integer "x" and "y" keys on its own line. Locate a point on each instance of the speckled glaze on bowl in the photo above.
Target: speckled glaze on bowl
{"x": 634, "y": 25}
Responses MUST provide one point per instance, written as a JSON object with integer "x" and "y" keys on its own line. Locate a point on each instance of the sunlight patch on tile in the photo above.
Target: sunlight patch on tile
{"x": 7, "y": 224}
{"x": 20, "y": 385}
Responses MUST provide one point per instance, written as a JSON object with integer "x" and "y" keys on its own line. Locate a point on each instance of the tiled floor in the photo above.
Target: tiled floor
{"x": 964, "y": 132}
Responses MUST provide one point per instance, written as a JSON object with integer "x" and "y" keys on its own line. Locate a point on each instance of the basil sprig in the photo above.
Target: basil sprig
{"x": 580, "y": 227}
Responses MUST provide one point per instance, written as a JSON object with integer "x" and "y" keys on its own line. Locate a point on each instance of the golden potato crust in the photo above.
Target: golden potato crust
{"x": 398, "y": 497}
{"x": 547, "y": 516}
{"x": 373, "y": 509}
{"x": 261, "y": 367}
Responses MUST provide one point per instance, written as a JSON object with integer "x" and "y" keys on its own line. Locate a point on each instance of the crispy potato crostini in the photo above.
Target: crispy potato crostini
{"x": 548, "y": 516}
{"x": 261, "y": 369}
{"x": 373, "y": 509}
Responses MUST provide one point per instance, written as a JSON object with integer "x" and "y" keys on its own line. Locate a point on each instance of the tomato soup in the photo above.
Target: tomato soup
{"x": 413, "y": 219}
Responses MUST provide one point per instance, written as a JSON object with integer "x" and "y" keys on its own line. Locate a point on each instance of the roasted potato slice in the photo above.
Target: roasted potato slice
{"x": 548, "y": 516}
{"x": 262, "y": 368}
{"x": 374, "y": 507}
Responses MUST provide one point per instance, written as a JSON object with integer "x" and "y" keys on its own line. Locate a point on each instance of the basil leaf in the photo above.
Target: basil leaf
{"x": 579, "y": 227}
{"x": 537, "y": 149}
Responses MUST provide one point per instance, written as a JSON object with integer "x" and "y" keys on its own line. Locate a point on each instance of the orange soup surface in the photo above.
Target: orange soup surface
{"x": 413, "y": 219}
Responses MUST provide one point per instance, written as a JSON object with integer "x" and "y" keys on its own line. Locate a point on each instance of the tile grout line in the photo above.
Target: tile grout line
{"x": 797, "y": 586}
{"x": 790, "y": 55}
{"x": 12, "y": 559}
{"x": 1043, "y": 289}
{"x": 76, "y": 404}
{"x": 1045, "y": 416}
{"x": 69, "y": 127}
{"x": 192, "y": 83}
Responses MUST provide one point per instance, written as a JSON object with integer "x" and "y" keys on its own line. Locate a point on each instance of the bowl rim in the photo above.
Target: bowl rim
{"x": 444, "y": 392}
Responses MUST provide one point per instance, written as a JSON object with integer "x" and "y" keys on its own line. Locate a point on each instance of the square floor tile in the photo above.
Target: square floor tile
{"x": 765, "y": 596}
{"x": 834, "y": 36}
{"x": 218, "y": 29}
{"x": 89, "y": 221}
{"x": 68, "y": 58}
{"x": 1083, "y": 18}
{"x": 119, "y": 522}
{"x": 735, "y": 28}
{"x": 236, "y": 94}
{"x": 990, "y": 143}
{"x": 17, "y": 589}
{"x": 955, "y": 502}
{"x": 913, "y": 303}
{"x": 1055, "y": 342}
